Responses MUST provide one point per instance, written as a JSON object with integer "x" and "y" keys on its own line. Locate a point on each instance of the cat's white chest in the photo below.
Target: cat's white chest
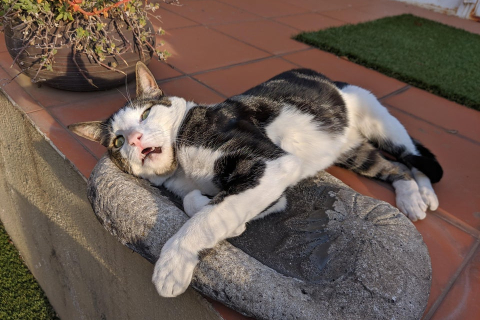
{"x": 198, "y": 164}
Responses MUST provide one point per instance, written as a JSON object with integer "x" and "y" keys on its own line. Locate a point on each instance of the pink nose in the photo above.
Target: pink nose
{"x": 134, "y": 139}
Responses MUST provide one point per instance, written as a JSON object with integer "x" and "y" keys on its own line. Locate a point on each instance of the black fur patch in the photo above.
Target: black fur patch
{"x": 426, "y": 163}
{"x": 340, "y": 85}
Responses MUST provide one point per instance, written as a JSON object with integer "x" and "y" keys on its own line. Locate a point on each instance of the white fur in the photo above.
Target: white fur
{"x": 298, "y": 134}
{"x": 198, "y": 164}
{"x": 426, "y": 189}
{"x": 280, "y": 205}
{"x": 194, "y": 201}
{"x": 373, "y": 120}
{"x": 409, "y": 200}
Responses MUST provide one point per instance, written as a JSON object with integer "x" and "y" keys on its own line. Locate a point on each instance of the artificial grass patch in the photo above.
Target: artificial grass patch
{"x": 424, "y": 53}
{"x": 21, "y": 298}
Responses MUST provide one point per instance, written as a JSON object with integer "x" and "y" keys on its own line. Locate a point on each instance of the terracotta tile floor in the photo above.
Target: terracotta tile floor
{"x": 222, "y": 47}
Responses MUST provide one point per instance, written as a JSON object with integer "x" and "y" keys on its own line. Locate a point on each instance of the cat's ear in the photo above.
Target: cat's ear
{"x": 146, "y": 84}
{"x": 90, "y": 130}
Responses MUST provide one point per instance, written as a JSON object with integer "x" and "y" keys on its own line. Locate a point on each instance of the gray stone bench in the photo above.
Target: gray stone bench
{"x": 333, "y": 254}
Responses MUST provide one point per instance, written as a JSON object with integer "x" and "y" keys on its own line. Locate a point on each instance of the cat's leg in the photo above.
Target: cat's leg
{"x": 279, "y": 205}
{"x": 368, "y": 161}
{"x": 220, "y": 219}
{"x": 375, "y": 123}
{"x": 194, "y": 201}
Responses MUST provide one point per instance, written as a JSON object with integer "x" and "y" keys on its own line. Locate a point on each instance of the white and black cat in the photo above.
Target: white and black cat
{"x": 232, "y": 162}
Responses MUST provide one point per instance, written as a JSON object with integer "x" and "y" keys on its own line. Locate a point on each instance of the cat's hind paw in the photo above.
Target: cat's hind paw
{"x": 429, "y": 197}
{"x": 426, "y": 189}
{"x": 174, "y": 270}
{"x": 409, "y": 201}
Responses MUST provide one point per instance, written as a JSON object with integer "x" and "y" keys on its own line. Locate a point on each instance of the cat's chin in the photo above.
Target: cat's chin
{"x": 152, "y": 159}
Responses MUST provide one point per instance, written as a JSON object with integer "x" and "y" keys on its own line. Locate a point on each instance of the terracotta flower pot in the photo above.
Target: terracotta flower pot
{"x": 72, "y": 74}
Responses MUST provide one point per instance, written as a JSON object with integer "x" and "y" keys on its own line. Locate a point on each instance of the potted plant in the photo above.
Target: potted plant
{"x": 79, "y": 45}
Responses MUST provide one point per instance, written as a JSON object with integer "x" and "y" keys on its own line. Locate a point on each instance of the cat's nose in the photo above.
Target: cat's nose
{"x": 134, "y": 139}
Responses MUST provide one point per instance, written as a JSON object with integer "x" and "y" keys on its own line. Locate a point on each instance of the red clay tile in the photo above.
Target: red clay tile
{"x": 353, "y": 15}
{"x": 310, "y": 21}
{"x": 190, "y": 90}
{"x": 462, "y": 300}
{"x": 3, "y": 47}
{"x": 386, "y": 9}
{"x": 197, "y": 49}
{"x": 339, "y": 69}
{"x": 448, "y": 246}
{"x": 227, "y": 313}
{"x": 167, "y": 20}
{"x": 266, "y": 8}
{"x": 17, "y": 95}
{"x": 459, "y": 190}
{"x": 211, "y": 12}
{"x": 325, "y": 5}
{"x": 94, "y": 109}
{"x": 161, "y": 70}
{"x": 439, "y": 111}
{"x": 245, "y": 76}
{"x": 266, "y": 35}
{"x": 64, "y": 142}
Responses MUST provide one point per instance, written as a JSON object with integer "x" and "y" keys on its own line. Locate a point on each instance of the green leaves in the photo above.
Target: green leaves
{"x": 64, "y": 13}
{"x": 88, "y": 26}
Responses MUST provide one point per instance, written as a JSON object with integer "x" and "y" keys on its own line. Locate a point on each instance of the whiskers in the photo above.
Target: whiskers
{"x": 127, "y": 96}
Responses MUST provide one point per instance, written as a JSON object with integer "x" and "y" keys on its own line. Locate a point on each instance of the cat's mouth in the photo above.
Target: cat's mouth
{"x": 149, "y": 151}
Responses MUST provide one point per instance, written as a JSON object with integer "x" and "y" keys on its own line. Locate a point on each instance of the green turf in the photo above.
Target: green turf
{"x": 20, "y": 295}
{"x": 427, "y": 54}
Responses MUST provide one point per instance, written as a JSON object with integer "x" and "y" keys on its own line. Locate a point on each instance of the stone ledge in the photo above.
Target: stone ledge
{"x": 333, "y": 254}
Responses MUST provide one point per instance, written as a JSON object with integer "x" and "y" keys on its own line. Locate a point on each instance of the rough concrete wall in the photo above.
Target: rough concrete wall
{"x": 84, "y": 271}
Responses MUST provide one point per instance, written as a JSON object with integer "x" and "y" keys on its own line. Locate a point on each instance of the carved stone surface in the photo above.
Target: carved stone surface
{"x": 333, "y": 254}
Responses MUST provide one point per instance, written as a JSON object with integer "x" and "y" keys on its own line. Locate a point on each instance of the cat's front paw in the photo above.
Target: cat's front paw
{"x": 194, "y": 201}
{"x": 174, "y": 269}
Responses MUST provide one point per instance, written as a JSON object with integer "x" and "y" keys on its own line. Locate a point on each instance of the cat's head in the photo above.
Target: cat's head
{"x": 140, "y": 137}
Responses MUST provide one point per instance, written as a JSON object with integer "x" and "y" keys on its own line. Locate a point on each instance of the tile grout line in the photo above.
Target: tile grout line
{"x": 433, "y": 124}
{"x": 71, "y": 135}
{"x": 41, "y": 107}
{"x": 245, "y": 63}
{"x": 456, "y": 222}
{"x": 452, "y": 281}
{"x": 271, "y": 19}
{"x": 206, "y": 85}
{"x": 394, "y": 93}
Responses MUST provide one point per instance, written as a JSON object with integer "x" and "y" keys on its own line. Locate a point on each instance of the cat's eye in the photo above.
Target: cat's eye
{"x": 145, "y": 114}
{"x": 118, "y": 142}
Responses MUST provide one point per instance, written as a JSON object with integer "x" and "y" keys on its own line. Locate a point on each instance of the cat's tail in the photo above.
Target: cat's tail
{"x": 421, "y": 158}
{"x": 385, "y": 132}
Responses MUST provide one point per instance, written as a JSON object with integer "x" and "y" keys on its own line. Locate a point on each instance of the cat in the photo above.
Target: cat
{"x": 231, "y": 162}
